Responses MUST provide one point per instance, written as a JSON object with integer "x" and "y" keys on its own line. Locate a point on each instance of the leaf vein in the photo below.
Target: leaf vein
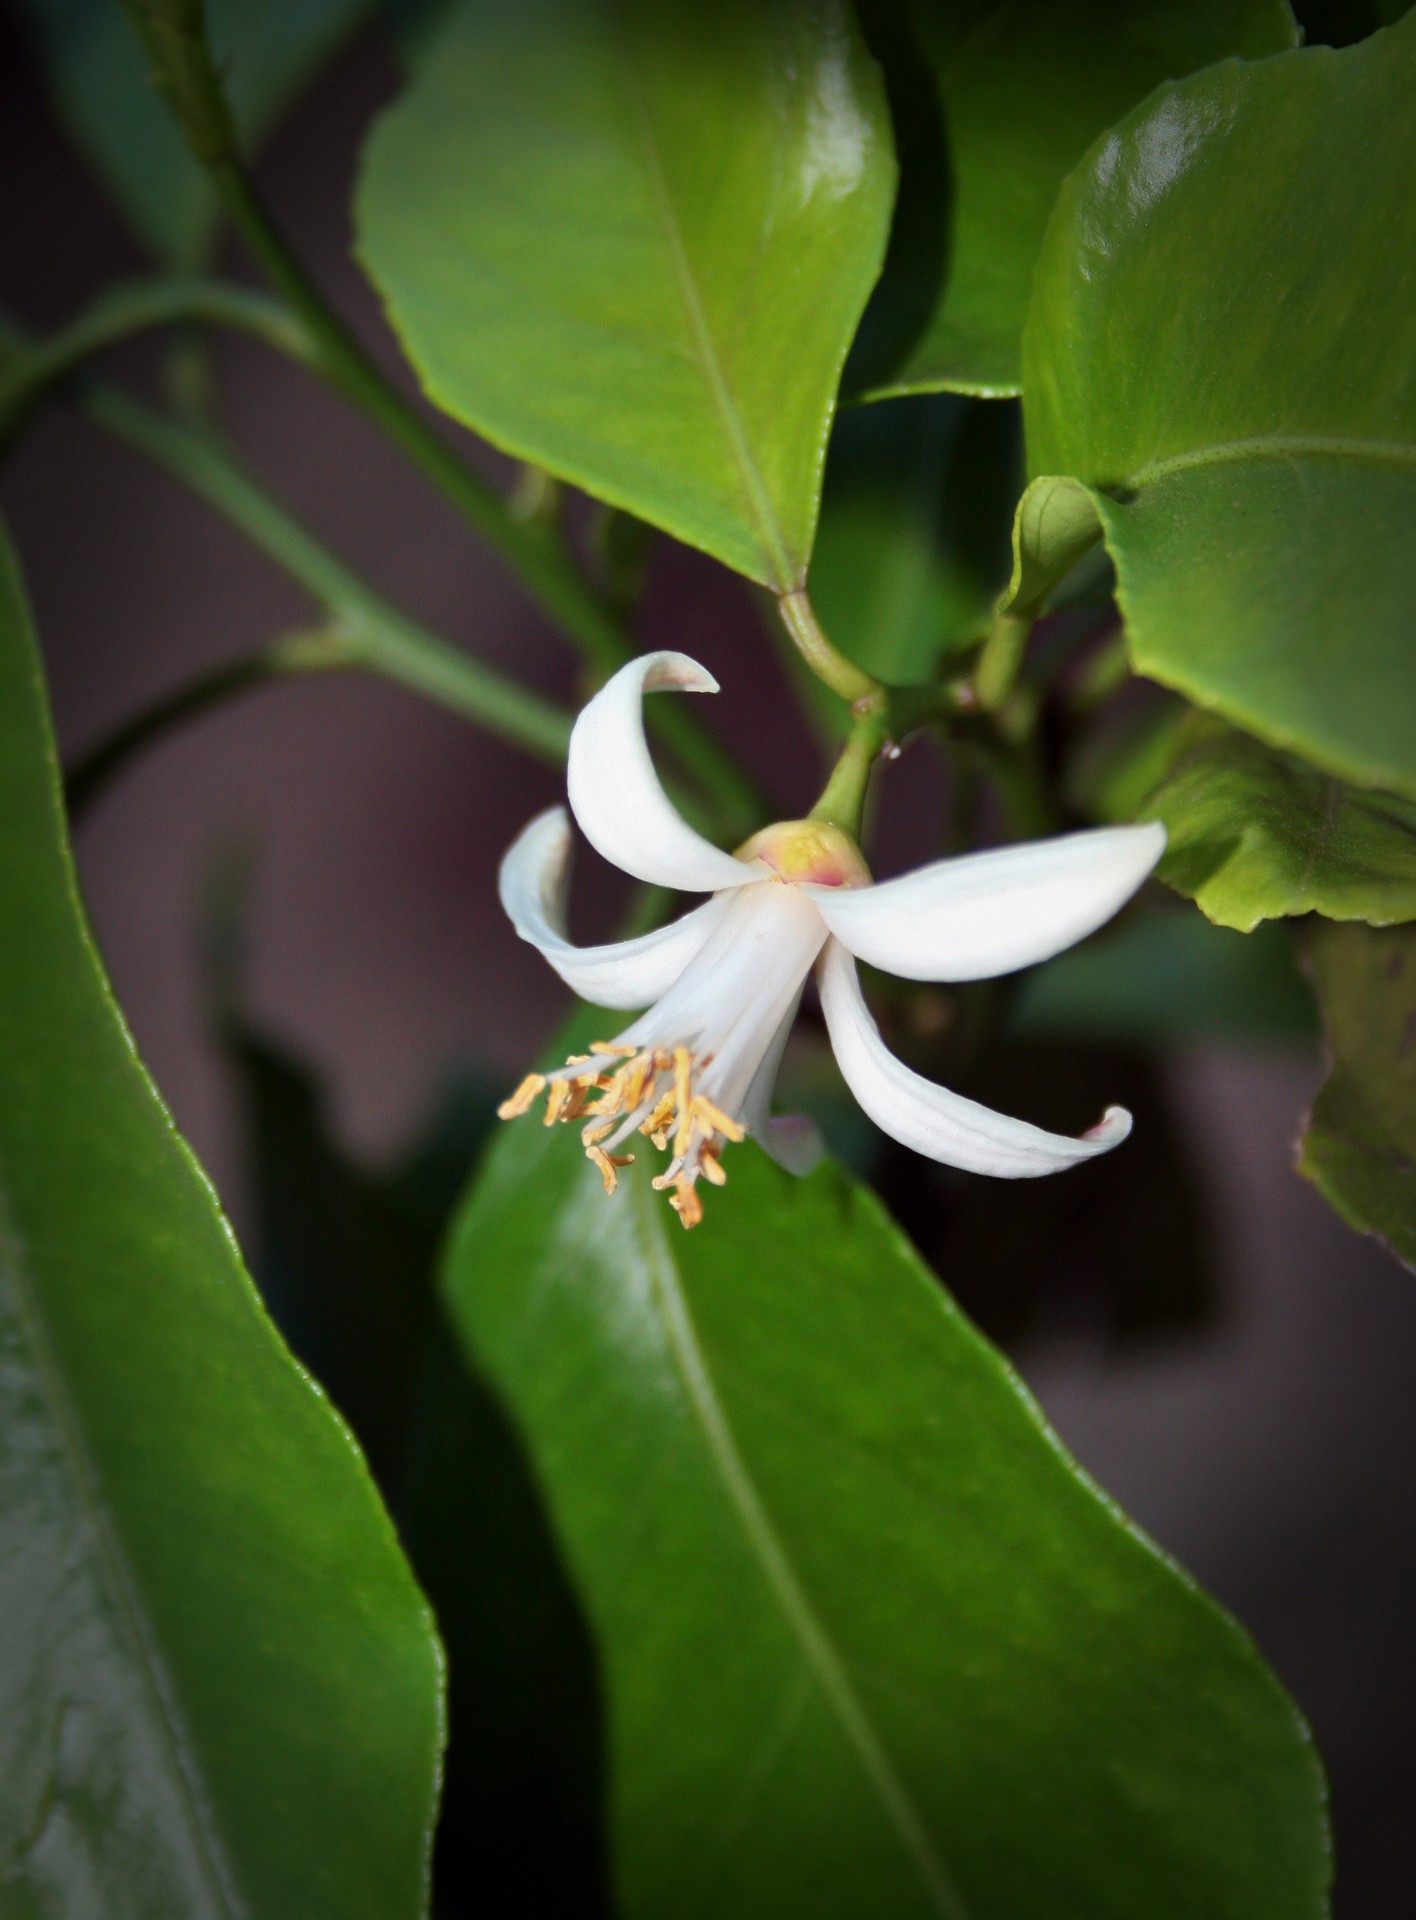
{"x": 816, "y": 1647}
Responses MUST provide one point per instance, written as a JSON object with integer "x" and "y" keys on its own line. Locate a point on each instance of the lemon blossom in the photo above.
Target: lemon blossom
{"x": 723, "y": 983}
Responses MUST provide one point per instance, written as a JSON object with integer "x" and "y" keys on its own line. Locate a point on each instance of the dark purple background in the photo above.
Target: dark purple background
{"x": 1274, "y": 1455}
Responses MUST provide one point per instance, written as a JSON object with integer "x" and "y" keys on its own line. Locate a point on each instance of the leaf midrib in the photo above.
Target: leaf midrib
{"x": 817, "y": 1650}
{"x": 1274, "y": 447}
{"x": 114, "y": 1574}
{"x": 756, "y": 495}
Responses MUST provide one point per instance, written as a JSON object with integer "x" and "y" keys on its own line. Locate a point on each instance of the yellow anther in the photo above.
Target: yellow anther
{"x": 612, "y": 1096}
{"x": 683, "y": 1097}
{"x": 520, "y": 1101}
{"x": 711, "y": 1168}
{"x": 686, "y": 1204}
{"x": 608, "y": 1165}
{"x": 651, "y": 1088}
{"x": 714, "y": 1117}
{"x": 638, "y": 1074}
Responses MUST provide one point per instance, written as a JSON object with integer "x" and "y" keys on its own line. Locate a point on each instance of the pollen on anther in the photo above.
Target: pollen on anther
{"x": 716, "y": 1120}
{"x": 608, "y": 1165}
{"x": 520, "y": 1101}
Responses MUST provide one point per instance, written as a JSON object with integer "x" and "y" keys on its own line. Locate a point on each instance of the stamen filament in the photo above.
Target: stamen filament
{"x": 650, "y": 1091}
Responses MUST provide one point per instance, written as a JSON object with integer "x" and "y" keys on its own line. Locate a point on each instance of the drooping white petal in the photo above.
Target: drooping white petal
{"x": 627, "y": 973}
{"x": 989, "y": 913}
{"x": 928, "y": 1118}
{"x": 792, "y": 1139}
{"x": 615, "y": 793}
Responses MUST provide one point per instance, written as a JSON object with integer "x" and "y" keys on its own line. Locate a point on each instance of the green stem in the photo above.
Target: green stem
{"x": 842, "y": 803}
{"x": 831, "y": 667}
{"x": 532, "y": 546}
{"x": 323, "y": 650}
{"x": 996, "y": 673}
{"x": 132, "y": 307}
{"x": 378, "y": 635}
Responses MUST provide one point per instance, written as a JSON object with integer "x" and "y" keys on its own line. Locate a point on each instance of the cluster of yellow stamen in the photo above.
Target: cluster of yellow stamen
{"x": 653, "y": 1086}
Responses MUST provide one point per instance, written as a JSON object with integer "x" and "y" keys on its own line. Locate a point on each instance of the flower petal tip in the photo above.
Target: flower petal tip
{"x": 679, "y": 673}
{"x": 1112, "y": 1128}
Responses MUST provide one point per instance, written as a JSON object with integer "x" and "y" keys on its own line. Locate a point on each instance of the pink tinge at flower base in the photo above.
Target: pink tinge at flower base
{"x": 695, "y": 1073}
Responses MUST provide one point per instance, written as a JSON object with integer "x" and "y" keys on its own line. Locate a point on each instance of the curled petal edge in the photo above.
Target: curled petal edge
{"x": 929, "y": 1119}
{"x": 624, "y": 974}
{"x": 617, "y": 797}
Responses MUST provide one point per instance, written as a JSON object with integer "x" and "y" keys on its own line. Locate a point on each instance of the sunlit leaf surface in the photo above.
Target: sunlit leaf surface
{"x": 631, "y": 242}
{"x": 1022, "y": 90}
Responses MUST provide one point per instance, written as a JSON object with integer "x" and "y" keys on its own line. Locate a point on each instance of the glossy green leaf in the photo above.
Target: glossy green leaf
{"x": 219, "y": 1685}
{"x": 267, "y": 50}
{"x": 1359, "y": 1149}
{"x": 630, "y": 240}
{"x": 1163, "y": 977}
{"x": 1255, "y": 834}
{"x": 1024, "y": 88}
{"x": 1220, "y": 346}
{"x": 870, "y": 1643}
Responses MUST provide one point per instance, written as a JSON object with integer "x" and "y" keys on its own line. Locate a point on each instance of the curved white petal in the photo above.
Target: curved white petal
{"x": 929, "y": 1119}
{"x": 989, "y": 913}
{"x": 615, "y": 793}
{"x": 628, "y": 973}
{"x": 793, "y": 1140}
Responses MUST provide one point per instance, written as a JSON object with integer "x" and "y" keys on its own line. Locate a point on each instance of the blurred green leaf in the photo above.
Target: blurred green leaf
{"x": 869, "y": 1642}
{"x": 913, "y": 543}
{"x": 219, "y": 1685}
{"x": 267, "y": 50}
{"x": 1359, "y": 1148}
{"x": 1162, "y": 977}
{"x": 1219, "y": 345}
{"x": 1024, "y": 88}
{"x": 346, "y": 1255}
{"x": 1255, "y": 834}
{"x": 632, "y": 242}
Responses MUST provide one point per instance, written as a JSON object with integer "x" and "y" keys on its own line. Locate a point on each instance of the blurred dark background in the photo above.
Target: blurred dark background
{"x": 1264, "y": 1433}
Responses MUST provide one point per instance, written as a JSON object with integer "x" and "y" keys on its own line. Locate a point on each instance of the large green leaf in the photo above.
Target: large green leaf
{"x": 630, "y": 240}
{"x": 1255, "y": 834}
{"x": 870, "y": 1643}
{"x": 1219, "y": 345}
{"x": 1025, "y": 86}
{"x": 1359, "y": 1148}
{"x": 267, "y": 51}
{"x": 219, "y": 1685}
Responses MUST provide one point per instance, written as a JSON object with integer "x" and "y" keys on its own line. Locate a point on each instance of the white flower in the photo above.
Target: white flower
{"x": 723, "y": 983}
